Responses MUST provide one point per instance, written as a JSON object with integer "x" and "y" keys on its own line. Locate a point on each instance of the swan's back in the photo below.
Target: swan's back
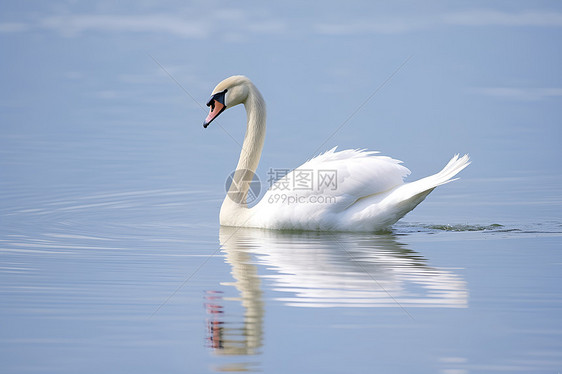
{"x": 334, "y": 182}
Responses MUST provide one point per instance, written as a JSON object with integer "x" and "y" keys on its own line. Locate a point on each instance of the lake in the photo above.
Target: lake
{"x": 104, "y": 270}
{"x": 111, "y": 256}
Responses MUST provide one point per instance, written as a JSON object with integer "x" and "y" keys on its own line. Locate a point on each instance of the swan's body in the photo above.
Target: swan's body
{"x": 361, "y": 191}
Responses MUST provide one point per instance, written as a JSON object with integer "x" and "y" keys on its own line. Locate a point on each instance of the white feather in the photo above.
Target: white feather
{"x": 370, "y": 194}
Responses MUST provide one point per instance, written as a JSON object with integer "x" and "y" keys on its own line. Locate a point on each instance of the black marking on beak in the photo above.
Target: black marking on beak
{"x": 219, "y": 97}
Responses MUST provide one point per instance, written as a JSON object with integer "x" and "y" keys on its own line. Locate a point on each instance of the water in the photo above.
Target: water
{"x": 112, "y": 260}
{"x": 113, "y": 279}
{"x": 111, "y": 256}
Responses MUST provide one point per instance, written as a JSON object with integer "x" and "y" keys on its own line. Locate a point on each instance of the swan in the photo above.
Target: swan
{"x": 349, "y": 190}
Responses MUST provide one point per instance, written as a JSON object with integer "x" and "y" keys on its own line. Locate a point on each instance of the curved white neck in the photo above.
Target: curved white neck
{"x": 234, "y": 207}
{"x": 255, "y": 131}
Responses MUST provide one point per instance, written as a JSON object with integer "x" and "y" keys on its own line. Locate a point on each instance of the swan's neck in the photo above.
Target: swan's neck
{"x": 234, "y": 206}
{"x": 255, "y": 131}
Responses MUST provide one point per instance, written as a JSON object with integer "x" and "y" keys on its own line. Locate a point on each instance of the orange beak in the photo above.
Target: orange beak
{"x": 216, "y": 109}
{"x": 217, "y": 105}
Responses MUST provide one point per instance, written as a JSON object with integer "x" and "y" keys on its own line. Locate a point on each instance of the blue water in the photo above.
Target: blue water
{"x": 112, "y": 260}
{"x": 111, "y": 256}
{"x": 133, "y": 278}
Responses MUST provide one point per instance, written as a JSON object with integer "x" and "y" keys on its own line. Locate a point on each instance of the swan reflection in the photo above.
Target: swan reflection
{"x": 229, "y": 337}
{"x": 314, "y": 269}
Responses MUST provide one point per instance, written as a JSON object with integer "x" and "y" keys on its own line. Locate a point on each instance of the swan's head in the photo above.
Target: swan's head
{"x": 228, "y": 93}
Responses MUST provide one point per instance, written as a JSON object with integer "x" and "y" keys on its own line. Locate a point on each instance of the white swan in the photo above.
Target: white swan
{"x": 351, "y": 190}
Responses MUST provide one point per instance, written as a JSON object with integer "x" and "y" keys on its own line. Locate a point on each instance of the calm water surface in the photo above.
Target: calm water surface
{"x": 111, "y": 256}
{"x": 102, "y": 270}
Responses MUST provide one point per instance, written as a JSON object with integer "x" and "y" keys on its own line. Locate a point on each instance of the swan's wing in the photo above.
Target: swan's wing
{"x": 328, "y": 184}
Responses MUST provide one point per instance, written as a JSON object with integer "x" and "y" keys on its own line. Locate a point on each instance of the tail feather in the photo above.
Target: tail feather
{"x": 382, "y": 210}
{"x": 453, "y": 167}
